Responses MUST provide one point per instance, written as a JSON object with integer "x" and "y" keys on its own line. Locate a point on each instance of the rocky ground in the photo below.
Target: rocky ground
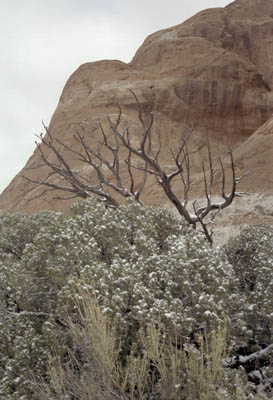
{"x": 251, "y": 208}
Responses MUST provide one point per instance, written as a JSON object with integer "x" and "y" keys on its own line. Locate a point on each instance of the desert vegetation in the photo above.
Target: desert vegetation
{"x": 118, "y": 300}
{"x": 132, "y": 303}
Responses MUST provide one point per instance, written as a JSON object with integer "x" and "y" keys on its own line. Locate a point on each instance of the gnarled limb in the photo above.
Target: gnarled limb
{"x": 116, "y": 153}
{"x": 74, "y": 182}
{"x": 181, "y": 167}
{"x": 255, "y": 366}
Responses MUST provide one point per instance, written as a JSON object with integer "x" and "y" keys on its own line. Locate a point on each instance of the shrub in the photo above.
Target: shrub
{"x": 140, "y": 263}
{"x": 251, "y": 255}
{"x": 30, "y": 280}
{"x": 147, "y": 266}
{"x": 161, "y": 367}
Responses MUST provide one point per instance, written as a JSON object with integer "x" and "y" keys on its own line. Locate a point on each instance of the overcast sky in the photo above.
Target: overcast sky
{"x": 44, "y": 41}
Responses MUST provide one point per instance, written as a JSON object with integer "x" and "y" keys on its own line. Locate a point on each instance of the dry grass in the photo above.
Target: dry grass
{"x": 159, "y": 366}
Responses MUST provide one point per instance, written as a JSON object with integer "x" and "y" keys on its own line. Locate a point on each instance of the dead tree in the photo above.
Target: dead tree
{"x": 105, "y": 160}
{"x": 68, "y": 180}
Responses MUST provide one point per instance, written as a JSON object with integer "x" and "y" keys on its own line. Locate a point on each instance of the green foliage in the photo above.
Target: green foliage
{"x": 251, "y": 255}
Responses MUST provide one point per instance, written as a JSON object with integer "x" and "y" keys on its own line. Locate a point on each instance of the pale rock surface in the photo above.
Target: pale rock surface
{"x": 213, "y": 72}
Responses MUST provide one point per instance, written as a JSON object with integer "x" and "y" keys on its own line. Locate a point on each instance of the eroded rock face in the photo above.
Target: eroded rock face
{"x": 214, "y": 71}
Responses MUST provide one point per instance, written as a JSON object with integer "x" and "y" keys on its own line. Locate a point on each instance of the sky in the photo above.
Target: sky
{"x": 44, "y": 41}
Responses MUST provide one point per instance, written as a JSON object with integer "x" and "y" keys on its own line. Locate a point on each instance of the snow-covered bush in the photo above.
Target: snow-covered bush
{"x": 141, "y": 263}
{"x": 251, "y": 255}
{"x": 29, "y": 283}
{"x": 146, "y": 266}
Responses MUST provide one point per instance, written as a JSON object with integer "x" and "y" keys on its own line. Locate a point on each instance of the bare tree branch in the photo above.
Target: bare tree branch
{"x": 116, "y": 153}
{"x": 252, "y": 361}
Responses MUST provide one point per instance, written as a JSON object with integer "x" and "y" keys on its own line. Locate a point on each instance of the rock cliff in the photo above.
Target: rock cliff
{"x": 213, "y": 71}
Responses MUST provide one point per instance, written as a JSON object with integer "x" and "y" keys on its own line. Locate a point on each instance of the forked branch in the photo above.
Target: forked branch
{"x": 182, "y": 167}
{"x": 105, "y": 163}
{"x": 116, "y": 159}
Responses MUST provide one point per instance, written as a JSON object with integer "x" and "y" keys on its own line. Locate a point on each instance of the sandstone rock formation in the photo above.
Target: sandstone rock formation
{"x": 214, "y": 71}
